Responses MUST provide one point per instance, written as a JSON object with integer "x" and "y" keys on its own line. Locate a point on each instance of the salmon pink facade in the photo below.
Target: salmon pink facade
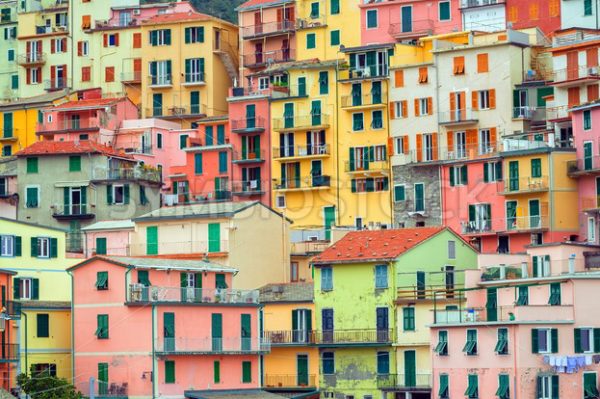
{"x": 192, "y": 332}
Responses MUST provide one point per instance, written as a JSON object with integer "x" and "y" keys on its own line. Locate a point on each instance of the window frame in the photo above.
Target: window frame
{"x": 381, "y": 278}
{"x": 440, "y": 11}
{"x": 330, "y": 370}
{"x": 329, "y": 285}
{"x": 471, "y": 346}
{"x": 43, "y": 247}
{"x": 114, "y": 194}
{"x": 7, "y": 246}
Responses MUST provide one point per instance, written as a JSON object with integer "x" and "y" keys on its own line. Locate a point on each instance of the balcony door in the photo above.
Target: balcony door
{"x": 302, "y": 370}
{"x": 169, "y": 331}
{"x": 492, "y": 304}
{"x": 534, "y": 214}
{"x": 410, "y": 369}
{"x": 382, "y": 320}
{"x": 460, "y": 145}
{"x": 327, "y": 325}
{"x": 315, "y": 142}
{"x": 74, "y": 200}
{"x": 191, "y": 287}
{"x": 301, "y": 325}
{"x": 286, "y": 145}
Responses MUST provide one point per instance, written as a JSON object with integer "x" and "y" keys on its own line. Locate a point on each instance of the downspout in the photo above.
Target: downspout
{"x": 337, "y": 140}
{"x": 153, "y": 354}
{"x": 72, "y": 327}
{"x": 26, "y": 349}
{"x": 550, "y": 191}
{"x": 437, "y": 104}
{"x": 389, "y": 157}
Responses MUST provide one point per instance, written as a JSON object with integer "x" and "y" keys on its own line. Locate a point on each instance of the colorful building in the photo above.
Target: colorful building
{"x": 11, "y": 312}
{"x": 292, "y": 366}
{"x": 8, "y": 188}
{"x": 373, "y": 299}
{"x": 41, "y": 337}
{"x": 581, "y": 13}
{"x": 166, "y": 355}
{"x": 518, "y": 324}
{"x": 9, "y": 72}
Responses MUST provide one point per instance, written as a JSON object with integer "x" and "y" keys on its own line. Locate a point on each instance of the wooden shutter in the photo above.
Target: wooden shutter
{"x": 482, "y": 63}
{"x": 492, "y": 98}
{"x": 434, "y": 145}
{"x": 399, "y": 78}
{"x": 404, "y": 107}
{"x": 405, "y": 145}
{"x": 429, "y": 105}
{"x": 493, "y": 138}
{"x": 105, "y": 40}
{"x": 592, "y": 93}
{"x": 450, "y": 139}
{"x": 137, "y": 40}
{"x": 419, "y": 147}
{"x": 52, "y": 46}
{"x": 392, "y": 110}
{"x": 474, "y": 99}
{"x": 591, "y": 55}
{"x": 417, "y": 113}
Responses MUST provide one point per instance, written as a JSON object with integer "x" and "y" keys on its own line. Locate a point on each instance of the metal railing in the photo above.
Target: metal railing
{"x": 57, "y": 84}
{"x": 267, "y": 28}
{"x": 525, "y": 223}
{"x": 476, "y": 226}
{"x": 114, "y": 23}
{"x": 173, "y": 111}
{"x": 363, "y": 100}
{"x": 70, "y": 210}
{"x": 354, "y": 336}
{"x": 580, "y": 72}
{"x": 290, "y": 337}
{"x": 525, "y": 184}
{"x": 300, "y": 151}
{"x": 84, "y": 123}
{"x": 194, "y": 78}
{"x": 141, "y": 293}
{"x": 587, "y": 164}
{"x": 362, "y": 165}
{"x": 248, "y": 156}
{"x": 530, "y": 113}
{"x": 301, "y": 122}
{"x": 224, "y": 345}
{"x": 290, "y": 380}
{"x": 413, "y": 28}
{"x": 248, "y": 187}
{"x": 164, "y": 80}
{"x": 531, "y": 312}
{"x": 268, "y": 57}
{"x": 112, "y": 390}
{"x": 469, "y": 151}
{"x": 135, "y": 76}
{"x": 305, "y": 182}
{"x": 589, "y": 203}
{"x": 32, "y": 58}
{"x": 458, "y": 116}
{"x": 479, "y": 3}
{"x": 366, "y": 72}
{"x": 394, "y": 381}
{"x": 137, "y": 173}
{"x": 495, "y": 273}
{"x": 248, "y": 124}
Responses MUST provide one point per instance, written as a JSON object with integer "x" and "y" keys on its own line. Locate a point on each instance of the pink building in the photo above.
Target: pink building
{"x": 89, "y": 118}
{"x": 406, "y": 20}
{"x": 174, "y": 327}
{"x": 527, "y": 330}
{"x": 108, "y": 237}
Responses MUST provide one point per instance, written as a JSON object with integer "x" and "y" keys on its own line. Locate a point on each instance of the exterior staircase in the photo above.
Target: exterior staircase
{"x": 226, "y": 54}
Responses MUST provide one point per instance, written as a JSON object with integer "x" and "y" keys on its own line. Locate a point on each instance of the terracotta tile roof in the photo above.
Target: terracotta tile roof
{"x": 91, "y": 103}
{"x": 258, "y": 3}
{"x": 177, "y": 17}
{"x": 364, "y": 246}
{"x": 290, "y": 292}
{"x": 47, "y": 147}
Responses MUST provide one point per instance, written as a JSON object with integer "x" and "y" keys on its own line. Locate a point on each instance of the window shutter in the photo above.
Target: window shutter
{"x": 216, "y": 372}
{"x": 539, "y": 389}
{"x": 534, "y": 341}
{"x": 109, "y": 198}
{"x": 535, "y": 266}
{"x": 201, "y": 34}
{"x": 399, "y": 77}
{"x": 554, "y": 340}
{"x": 34, "y": 248}
{"x": 554, "y": 387}
{"x": 492, "y": 98}
{"x": 52, "y": 46}
{"x": 464, "y": 174}
{"x": 168, "y": 37}
{"x": 188, "y": 35}
{"x": 596, "y": 340}
{"x": 451, "y": 170}
{"x": 294, "y": 321}
{"x": 474, "y": 99}
{"x": 471, "y": 213}
{"x": 486, "y": 172}
{"x": 417, "y": 112}
{"x": 53, "y": 247}
{"x": 79, "y": 49}
{"x": 16, "y": 288}
{"x": 116, "y": 39}
{"x": 429, "y": 105}
{"x": 577, "y": 339}
{"x": 17, "y": 246}
{"x": 105, "y": 39}
{"x": 126, "y": 193}
{"x": 353, "y": 185}
{"x": 35, "y": 288}
{"x": 498, "y": 167}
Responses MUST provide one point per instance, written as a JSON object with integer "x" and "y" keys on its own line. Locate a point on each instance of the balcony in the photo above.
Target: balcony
{"x": 364, "y": 166}
{"x": 254, "y": 124}
{"x": 412, "y": 29}
{"x": 101, "y": 24}
{"x": 533, "y": 141}
{"x": 588, "y": 166}
{"x": 9, "y": 353}
{"x": 304, "y": 122}
{"x": 458, "y": 117}
{"x": 479, "y": 3}
{"x": 521, "y": 224}
{"x": 290, "y": 337}
{"x": 365, "y": 101}
{"x": 72, "y": 212}
{"x": 144, "y": 173}
{"x": 287, "y": 153}
{"x": 575, "y": 76}
{"x": 425, "y": 292}
{"x": 476, "y": 227}
{"x": 590, "y": 204}
{"x": 208, "y": 296}
{"x": 259, "y": 60}
{"x": 112, "y": 391}
{"x": 312, "y": 21}
{"x": 134, "y": 77}
{"x": 502, "y": 272}
{"x": 9, "y": 135}
{"x": 160, "y": 81}
{"x": 303, "y": 183}
{"x": 558, "y": 113}
{"x": 512, "y": 313}
{"x": 267, "y": 29}
{"x": 57, "y": 29}
{"x": 523, "y": 185}
{"x": 248, "y": 188}
{"x": 469, "y": 151}
{"x": 378, "y": 71}
{"x": 356, "y": 337}
{"x": 211, "y": 346}
{"x": 284, "y": 91}
{"x": 32, "y": 59}
{"x": 290, "y": 381}
{"x": 194, "y": 79}
{"x": 249, "y": 156}
{"x": 176, "y": 112}
{"x": 533, "y": 114}
{"x": 84, "y": 125}
{"x": 308, "y": 247}
{"x": 57, "y": 84}
{"x": 405, "y": 382}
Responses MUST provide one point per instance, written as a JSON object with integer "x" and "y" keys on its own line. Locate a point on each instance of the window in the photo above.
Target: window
{"x": 118, "y": 194}
{"x": 26, "y": 288}
{"x": 377, "y": 120}
{"x": 423, "y": 106}
{"x": 470, "y": 347}
{"x": 482, "y": 63}
{"x": 400, "y": 109}
{"x": 294, "y": 272}
{"x": 10, "y": 246}
{"x": 102, "y": 280}
{"x": 83, "y": 48}
{"x": 541, "y": 265}
{"x": 143, "y": 197}
{"x": 423, "y": 75}
{"x": 41, "y": 369}
{"x": 408, "y": 318}
{"x": 383, "y": 363}
{"x": 328, "y": 363}
{"x": 32, "y": 165}
{"x": 371, "y": 19}
{"x": 522, "y": 296}
{"x": 399, "y": 193}
{"x": 334, "y": 38}
{"x": 14, "y": 82}
{"x": 246, "y": 372}
{"x": 198, "y": 163}
{"x": 169, "y": 372}
{"x": 419, "y": 197}
{"x": 222, "y": 162}
{"x": 102, "y": 326}
{"x": 43, "y": 325}
{"x": 10, "y": 54}
{"x": 311, "y": 41}
{"x": 109, "y": 74}
{"x": 536, "y": 167}
{"x": 43, "y": 247}
{"x": 381, "y": 276}
{"x": 194, "y": 34}
{"x": 544, "y": 340}
{"x": 472, "y": 386}
{"x": 86, "y": 74}
{"x": 101, "y": 246}
{"x": 444, "y": 9}
{"x": 32, "y": 197}
{"x": 587, "y": 7}
{"x": 503, "y": 391}
{"x": 160, "y": 37}
{"x": 587, "y": 119}
{"x": 194, "y": 70}
{"x": 159, "y": 142}
{"x": 442, "y": 346}
{"x": 585, "y": 339}
{"x": 111, "y": 40}
{"x": 10, "y": 33}
{"x": 216, "y": 371}
{"x": 484, "y": 99}
{"x": 326, "y": 279}
{"x": 75, "y": 163}
{"x": 547, "y": 387}
{"x": 183, "y": 139}
{"x": 459, "y": 175}
{"x": 358, "y": 122}
{"x": 335, "y": 7}
{"x": 444, "y": 382}
{"x": 554, "y": 299}
{"x": 459, "y": 65}
{"x": 502, "y": 343}
{"x": 314, "y": 10}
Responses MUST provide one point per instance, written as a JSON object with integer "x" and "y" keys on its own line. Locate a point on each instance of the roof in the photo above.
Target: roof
{"x": 48, "y": 147}
{"x": 31, "y": 102}
{"x": 290, "y": 292}
{"x": 45, "y": 304}
{"x": 588, "y": 105}
{"x": 367, "y": 47}
{"x": 254, "y": 4}
{"x": 159, "y": 263}
{"x": 88, "y": 104}
{"x": 201, "y": 210}
{"x": 110, "y": 225}
{"x": 8, "y": 166}
{"x": 3, "y": 219}
{"x": 177, "y": 17}
{"x": 376, "y": 245}
{"x": 313, "y": 63}
{"x": 232, "y": 394}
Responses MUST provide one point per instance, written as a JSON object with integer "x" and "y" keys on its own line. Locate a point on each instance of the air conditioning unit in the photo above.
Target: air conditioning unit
{"x": 593, "y": 71}
{"x": 137, "y": 11}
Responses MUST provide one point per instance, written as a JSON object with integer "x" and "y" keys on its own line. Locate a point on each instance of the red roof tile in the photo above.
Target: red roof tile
{"x": 91, "y": 103}
{"x": 176, "y": 17}
{"x": 363, "y": 246}
{"x": 48, "y": 147}
{"x": 254, "y": 3}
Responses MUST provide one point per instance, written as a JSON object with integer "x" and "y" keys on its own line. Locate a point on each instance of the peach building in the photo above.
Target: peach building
{"x": 150, "y": 328}
{"x": 525, "y": 330}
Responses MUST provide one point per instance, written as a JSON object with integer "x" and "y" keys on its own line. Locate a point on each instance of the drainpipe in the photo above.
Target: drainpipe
{"x": 437, "y": 104}
{"x": 551, "y": 190}
{"x": 26, "y": 353}
{"x": 72, "y": 328}
{"x": 337, "y": 138}
{"x": 153, "y": 376}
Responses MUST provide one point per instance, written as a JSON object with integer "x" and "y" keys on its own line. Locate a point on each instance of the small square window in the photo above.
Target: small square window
{"x": 371, "y": 19}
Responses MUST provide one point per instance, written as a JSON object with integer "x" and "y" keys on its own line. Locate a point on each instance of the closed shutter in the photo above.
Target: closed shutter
{"x": 169, "y": 371}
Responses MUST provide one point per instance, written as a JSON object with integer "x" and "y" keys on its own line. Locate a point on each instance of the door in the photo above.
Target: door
{"x": 217, "y": 332}
{"x": 513, "y": 175}
{"x": 449, "y": 280}
{"x": 329, "y": 220}
{"x": 316, "y": 173}
{"x": 285, "y": 49}
{"x": 152, "y": 240}
{"x": 144, "y": 280}
{"x": 191, "y": 287}
{"x": 250, "y": 116}
{"x": 301, "y": 325}
{"x": 214, "y": 237}
{"x": 410, "y": 369}
{"x": 382, "y": 320}
{"x": 76, "y": 203}
{"x": 302, "y": 370}
{"x": 169, "y": 331}
{"x": 246, "y": 332}
{"x": 102, "y": 378}
{"x": 406, "y": 19}
{"x": 421, "y": 285}
{"x": 534, "y": 214}
{"x": 460, "y": 145}
{"x": 327, "y": 324}
{"x": 491, "y": 305}
{"x": 258, "y": 53}
{"x": 157, "y": 101}
{"x": 258, "y": 23}
{"x": 286, "y": 145}
{"x": 588, "y": 156}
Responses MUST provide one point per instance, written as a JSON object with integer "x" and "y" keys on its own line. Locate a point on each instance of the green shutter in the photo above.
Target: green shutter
{"x": 16, "y": 288}
{"x": 35, "y": 288}
{"x": 43, "y": 325}
{"x": 555, "y": 387}
{"x": 554, "y": 339}
{"x": 152, "y": 240}
{"x": 221, "y": 134}
{"x": 536, "y": 167}
{"x": 198, "y": 163}
{"x": 596, "y": 340}
{"x": 53, "y": 247}
{"x": 335, "y": 7}
{"x": 34, "y": 247}
{"x": 464, "y": 175}
{"x": 444, "y": 11}
{"x": 214, "y": 237}
{"x": 311, "y": 41}
{"x": 577, "y": 339}
{"x": 216, "y": 372}
{"x": 222, "y": 162}
{"x": 126, "y": 193}
{"x": 334, "y": 38}
{"x": 66, "y": 201}
{"x": 220, "y": 281}
{"x": 323, "y": 82}
{"x": 188, "y": 35}
{"x": 534, "y": 341}
{"x": 452, "y": 172}
{"x": 169, "y": 371}
{"x": 486, "y": 172}
{"x": 109, "y": 194}
{"x": 75, "y": 163}
{"x": 18, "y": 249}
{"x": 246, "y": 372}
{"x": 167, "y": 37}
{"x": 100, "y": 245}
{"x": 32, "y": 165}
{"x": 217, "y": 331}
{"x": 399, "y": 194}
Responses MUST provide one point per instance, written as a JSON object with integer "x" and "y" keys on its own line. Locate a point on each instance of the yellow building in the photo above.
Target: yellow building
{"x": 43, "y": 288}
{"x": 292, "y": 366}
{"x": 188, "y": 62}
{"x": 19, "y": 119}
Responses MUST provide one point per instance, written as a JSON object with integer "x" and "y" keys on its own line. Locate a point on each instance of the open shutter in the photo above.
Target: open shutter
{"x": 554, "y": 387}
{"x": 109, "y": 192}
{"x": 16, "y": 288}
{"x": 554, "y": 339}
{"x": 492, "y": 98}
{"x": 126, "y": 193}
{"x": 34, "y": 247}
{"x": 17, "y": 250}
{"x": 35, "y": 288}
{"x": 53, "y": 247}
{"x": 451, "y": 172}
{"x": 534, "y": 341}
{"x": 474, "y": 100}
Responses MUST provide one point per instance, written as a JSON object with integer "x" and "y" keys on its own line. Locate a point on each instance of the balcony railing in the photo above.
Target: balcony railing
{"x": 195, "y": 78}
{"x": 301, "y": 122}
{"x": 309, "y": 247}
{"x": 354, "y": 337}
{"x": 499, "y": 273}
{"x": 476, "y": 226}
{"x": 530, "y": 113}
{"x": 365, "y": 166}
{"x": 525, "y": 185}
{"x": 112, "y": 390}
{"x": 559, "y": 112}
{"x": 114, "y": 23}
{"x": 157, "y": 81}
{"x": 479, "y": 3}
{"x": 9, "y": 134}
{"x": 534, "y": 312}
{"x": 365, "y": 72}
{"x": 590, "y": 203}
{"x": 67, "y": 125}
{"x": 268, "y": 57}
{"x": 407, "y": 381}
{"x": 137, "y": 173}
{"x": 580, "y": 72}
{"x": 312, "y": 21}
{"x": 301, "y": 151}
{"x": 267, "y": 29}
{"x": 290, "y": 381}
{"x": 306, "y": 182}
{"x": 131, "y": 77}
{"x": 421, "y": 27}
{"x": 32, "y": 59}
{"x": 248, "y": 125}
{"x": 458, "y": 116}
{"x": 248, "y": 156}
{"x": 72, "y": 211}
{"x": 290, "y": 337}
{"x": 57, "y": 84}
{"x": 179, "y": 111}
{"x": 528, "y": 142}
{"x": 364, "y": 100}
{"x": 45, "y": 29}
{"x": 469, "y": 151}
{"x": 9, "y": 352}
{"x": 427, "y": 292}
{"x": 527, "y": 223}
{"x": 225, "y": 345}
{"x": 585, "y": 165}
{"x": 248, "y": 187}
{"x": 140, "y": 293}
